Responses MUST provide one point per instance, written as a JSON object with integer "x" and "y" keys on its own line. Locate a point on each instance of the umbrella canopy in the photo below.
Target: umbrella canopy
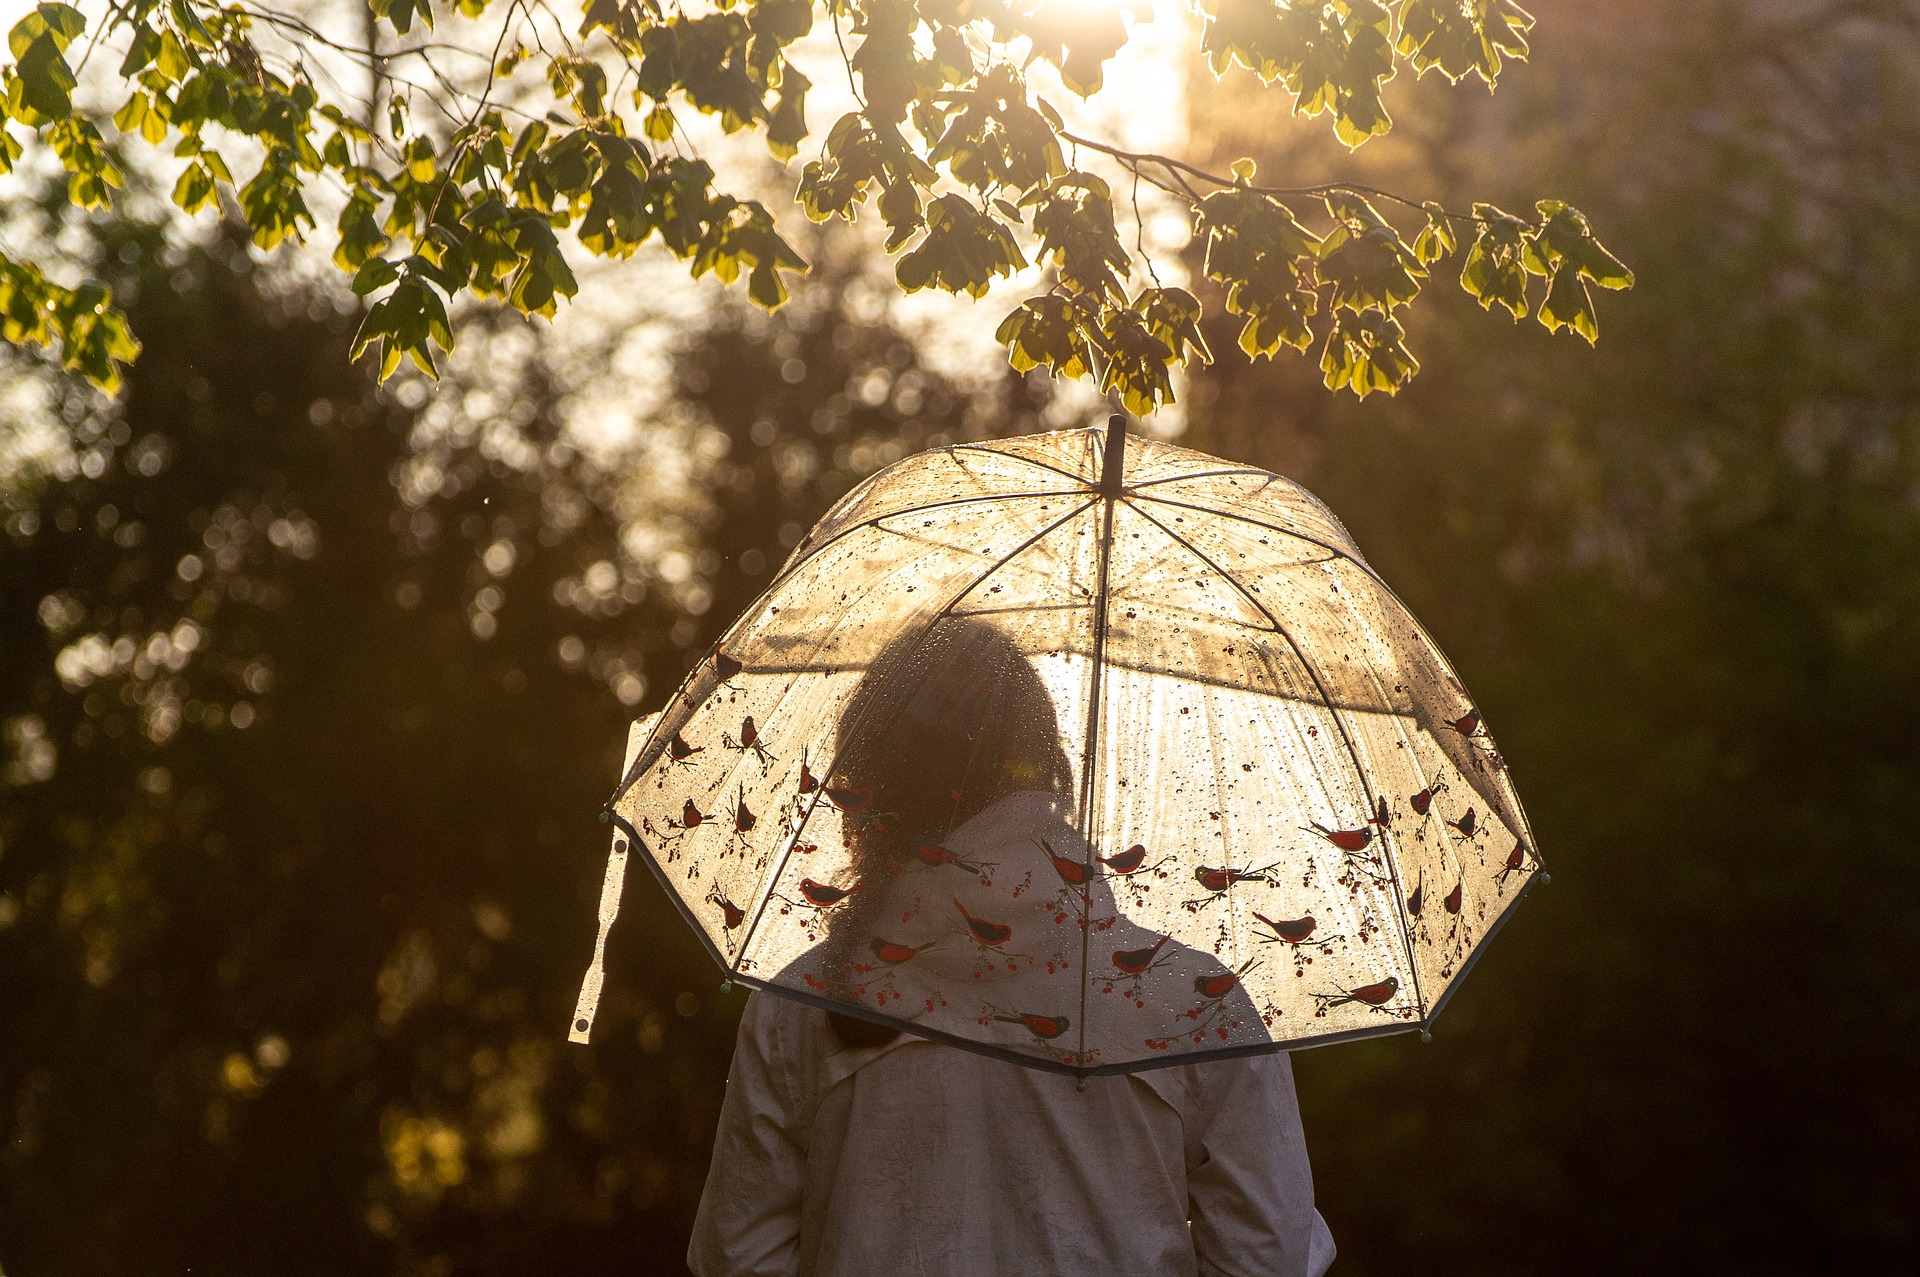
{"x": 1087, "y": 751}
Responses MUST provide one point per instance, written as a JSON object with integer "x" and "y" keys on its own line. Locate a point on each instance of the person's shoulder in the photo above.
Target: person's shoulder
{"x": 1261, "y": 1068}
{"x": 777, "y": 1023}
{"x": 1199, "y": 1089}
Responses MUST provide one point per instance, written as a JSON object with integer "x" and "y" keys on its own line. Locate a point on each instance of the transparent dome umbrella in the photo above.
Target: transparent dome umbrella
{"x": 1086, "y": 751}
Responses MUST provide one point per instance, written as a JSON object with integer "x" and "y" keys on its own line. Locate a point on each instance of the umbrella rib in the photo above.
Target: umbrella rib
{"x": 1197, "y": 474}
{"x": 1014, "y": 456}
{"x": 1326, "y": 699}
{"x": 946, "y": 610}
{"x": 1274, "y": 528}
{"x": 1419, "y": 629}
{"x": 877, "y": 519}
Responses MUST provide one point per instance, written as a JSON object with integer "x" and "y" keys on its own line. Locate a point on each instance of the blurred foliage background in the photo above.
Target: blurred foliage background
{"x": 309, "y": 693}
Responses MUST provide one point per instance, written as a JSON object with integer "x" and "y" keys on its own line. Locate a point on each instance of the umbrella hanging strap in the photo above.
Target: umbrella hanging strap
{"x": 610, "y": 887}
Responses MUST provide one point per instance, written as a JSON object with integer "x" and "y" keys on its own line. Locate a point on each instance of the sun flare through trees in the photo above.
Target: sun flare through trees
{"x": 469, "y": 151}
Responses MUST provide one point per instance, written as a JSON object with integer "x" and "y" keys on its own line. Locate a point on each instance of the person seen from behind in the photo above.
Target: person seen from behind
{"x": 847, "y": 1148}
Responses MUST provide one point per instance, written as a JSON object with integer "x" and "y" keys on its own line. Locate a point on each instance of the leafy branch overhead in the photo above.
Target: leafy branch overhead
{"x": 448, "y": 185}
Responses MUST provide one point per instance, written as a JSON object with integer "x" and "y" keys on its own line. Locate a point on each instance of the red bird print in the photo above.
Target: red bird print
{"x": 1376, "y": 994}
{"x": 1127, "y": 861}
{"x": 1071, "y": 872}
{"x": 1041, "y": 1026}
{"x": 808, "y": 781}
{"x": 934, "y": 855}
{"x": 749, "y": 734}
{"x": 849, "y": 799}
{"x": 991, "y": 934}
{"x": 743, "y": 817}
{"x": 1424, "y": 799}
{"x": 1220, "y": 879}
{"x": 725, "y": 666}
{"x": 1345, "y": 839}
{"x": 690, "y": 815}
{"x": 1134, "y": 961}
{"x": 1292, "y": 930}
{"x": 1373, "y": 995}
{"x": 1516, "y": 861}
{"x": 1452, "y": 902}
{"x": 894, "y": 954}
{"x": 1467, "y": 724}
{"x": 1467, "y": 823}
{"x": 679, "y": 750}
{"x": 1417, "y": 901}
{"x": 1382, "y": 814}
{"x": 1215, "y": 986}
{"x": 732, "y": 912}
{"x": 824, "y": 896}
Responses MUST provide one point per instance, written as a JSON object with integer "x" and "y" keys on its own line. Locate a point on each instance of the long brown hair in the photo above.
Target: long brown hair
{"x": 943, "y": 725}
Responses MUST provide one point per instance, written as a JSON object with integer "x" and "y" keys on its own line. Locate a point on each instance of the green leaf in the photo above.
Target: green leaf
{"x": 82, "y": 153}
{"x": 173, "y": 60}
{"x": 1047, "y": 331}
{"x": 59, "y": 24}
{"x": 130, "y": 117}
{"x": 400, "y": 14}
{"x": 421, "y": 164}
{"x": 361, "y": 239}
{"x": 1367, "y": 262}
{"x": 787, "y": 122}
{"x": 1495, "y": 269}
{"x": 1073, "y": 216}
{"x": 1460, "y": 40}
{"x": 351, "y": 128}
{"x": 1267, "y": 261}
{"x": 900, "y": 208}
{"x": 543, "y": 276}
{"x": 273, "y": 204}
{"x": 141, "y": 51}
{"x": 1435, "y": 239}
{"x": 1565, "y": 234}
{"x": 1366, "y": 352}
{"x": 79, "y": 326}
{"x": 1137, "y": 361}
{"x": 1602, "y": 267}
{"x": 963, "y": 250}
{"x": 43, "y": 84}
{"x": 405, "y": 324}
{"x": 1172, "y": 315}
{"x": 1075, "y": 37}
{"x": 1569, "y": 304}
{"x": 374, "y": 274}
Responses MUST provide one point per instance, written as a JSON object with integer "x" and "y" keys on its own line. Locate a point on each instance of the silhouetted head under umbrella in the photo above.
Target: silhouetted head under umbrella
{"x": 1094, "y": 753}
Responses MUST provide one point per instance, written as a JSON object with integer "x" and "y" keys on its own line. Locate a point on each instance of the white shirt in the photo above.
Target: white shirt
{"x": 923, "y": 1160}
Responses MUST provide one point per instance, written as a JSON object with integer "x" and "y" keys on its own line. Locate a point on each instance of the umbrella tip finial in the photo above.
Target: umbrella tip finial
{"x": 1114, "y": 464}
{"x": 1081, "y": 1085}
{"x": 1426, "y": 1035}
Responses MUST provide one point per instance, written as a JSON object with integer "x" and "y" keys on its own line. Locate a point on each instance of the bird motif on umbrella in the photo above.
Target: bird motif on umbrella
{"x": 1152, "y": 715}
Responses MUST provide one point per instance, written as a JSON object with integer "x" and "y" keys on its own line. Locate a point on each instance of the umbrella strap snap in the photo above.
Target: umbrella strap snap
{"x": 610, "y": 887}
{"x": 581, "y": 1025}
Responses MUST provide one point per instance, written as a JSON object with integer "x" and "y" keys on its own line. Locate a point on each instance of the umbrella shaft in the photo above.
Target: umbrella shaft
{"x": 1114, "y": 463}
